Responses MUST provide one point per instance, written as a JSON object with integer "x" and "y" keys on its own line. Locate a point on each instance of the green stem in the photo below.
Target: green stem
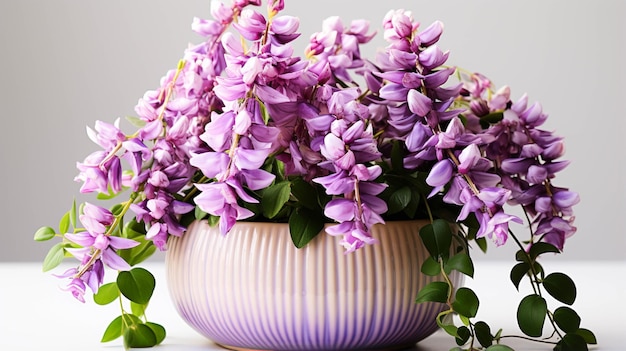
{"x": 170, "y": 89}
{"x": 119, "y": 217}
{"x": 270, "y": 17}
{"x": 110, "y": 155}
{"x": 534, "y": 282}
{"x": 119, "y": 298}
{"x": 528, "y": 221}
{"x": 357, "y": 197}
{"x": 365, "y": 93}
{"x": 430, "y": 212}
{"x": 529, "y": 339}
{"x": 449, "y": 282}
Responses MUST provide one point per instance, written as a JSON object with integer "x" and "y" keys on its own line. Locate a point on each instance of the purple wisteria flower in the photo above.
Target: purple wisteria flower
{"x": 95, "y": 240}
{"x": 247, "y": 129}
{"x": 219, "y": 198}
{"x": 347, "y": 150}
{"x": 102, "y": 169}
{"x": 242, "y": 100}
{"x": 97, "y": 247}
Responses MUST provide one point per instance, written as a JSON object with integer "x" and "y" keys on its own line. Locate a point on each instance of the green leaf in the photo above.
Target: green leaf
{"x": 113, "y": 331}
{"x": 145, "y": 249}
{"x": 482, "y": 244}
{"x": 444, "y": 321}
{"x": 107, "y": 293}
{"x": 141, "y": 252}
{"x": 518, "y": 272}
{"x": 483, "y": 334}
{"x": 561, "y": 287}
{"x": 433, "y": 292}
{"x": 462, "y": 263}
{"x": 521, "y": 256}
{"x": 158, "y": 330}
{"x": 540, "y": 248}
{"x": 117, "y": 209}
{"x": 264, "y": 113}
{"x": 498, "y": 335}
{"x": 213, "y": 220}
{"x": 274, "y": 198}
{"x": 567, "y": 319}
{"x": 304, "y": 225}
{"x": 54, "y": 257}
{"x": 199, "y": 214}
{"x": 138, "y": 309}
{"x": 44, "y": 233}
{"x": 571, "y": 342}
{"x": 108, "y": 196}
{"x": 136, "y": 121}
{"x": 437, "y": 237}
{"x": 491, "y": 118}
{"x": 399, "y": 200}
{"x": 450, "y": 329}
{"x": 431, "y": 267}
{"x": 130, "y": 319}
{"x": 137, "y": 285}
{"x": 133, "y": 229}
{"x": 466, "y": 302}
{"x": 305, "y": 193}
{"x": 531, "y": 314}
{"x": 411, "y": 208}
{"x": 587, "y": 335}
{"x": 64, "y": 223}
{"x": 472, "y": 225}
{"x": 139, "y": 336}
{"x": 464, "y": 320}
{"x": 397, "y": 156}
{"x": 499, "y": 347}
{"x": 463, "y": 334}
{"x": 73, "y": 214}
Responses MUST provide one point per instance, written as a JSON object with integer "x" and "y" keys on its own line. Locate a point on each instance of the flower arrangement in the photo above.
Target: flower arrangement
{"x": 245, "y": 130}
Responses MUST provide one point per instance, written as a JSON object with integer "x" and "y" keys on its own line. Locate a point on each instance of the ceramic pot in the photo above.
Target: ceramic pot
{"x": 254, "y": 290}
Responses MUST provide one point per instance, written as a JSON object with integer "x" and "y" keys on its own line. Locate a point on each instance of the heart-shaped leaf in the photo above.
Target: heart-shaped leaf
{"x": 136, "y": 285}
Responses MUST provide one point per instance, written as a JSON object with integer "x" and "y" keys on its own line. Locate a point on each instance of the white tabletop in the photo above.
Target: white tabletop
{"x": 36, "y": 315}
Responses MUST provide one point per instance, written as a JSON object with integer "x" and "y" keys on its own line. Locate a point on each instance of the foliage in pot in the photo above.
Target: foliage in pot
{"x": 244, "y": 130}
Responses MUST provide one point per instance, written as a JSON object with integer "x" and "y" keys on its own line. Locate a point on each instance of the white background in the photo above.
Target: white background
{"x": 67, "y": 63}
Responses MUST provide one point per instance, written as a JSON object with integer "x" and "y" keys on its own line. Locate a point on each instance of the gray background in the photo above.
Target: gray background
{"x": 67, "y": 63}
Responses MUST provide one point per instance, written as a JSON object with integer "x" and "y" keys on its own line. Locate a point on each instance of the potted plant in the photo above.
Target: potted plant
{"x": 332, "y": 145}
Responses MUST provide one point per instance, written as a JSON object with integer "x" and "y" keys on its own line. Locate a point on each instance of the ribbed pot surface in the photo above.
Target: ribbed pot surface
{"x": 252, "y": 289}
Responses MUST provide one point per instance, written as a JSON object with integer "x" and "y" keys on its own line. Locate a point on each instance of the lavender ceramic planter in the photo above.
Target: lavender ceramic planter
{"x": 252, "y": 289}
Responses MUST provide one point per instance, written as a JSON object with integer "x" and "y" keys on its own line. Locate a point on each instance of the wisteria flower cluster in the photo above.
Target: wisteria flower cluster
{"x": 245, "y": 129}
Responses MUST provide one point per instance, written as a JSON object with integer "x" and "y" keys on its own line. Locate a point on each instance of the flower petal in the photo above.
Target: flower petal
{"x": 270, "y": 95}
{"x": 341, "y": 210}
{"x": 122, "y": 243}
{"x": 111, "y": 259}
{"x": 564, "y": 199}
{"x": 250, "y": 159}
{"x": 210, "y": 163}
{"x": 419, "y": 103}
{"x": 440, "y": 174}
{"x": 83, "y": 239}
{"x": 257, "y": 178}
